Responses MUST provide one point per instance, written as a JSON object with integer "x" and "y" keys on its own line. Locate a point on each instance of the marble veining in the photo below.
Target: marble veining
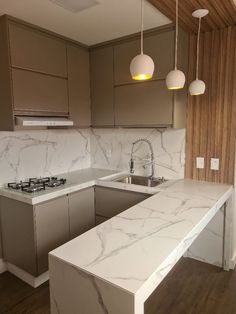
{"x": 25, "y": 154}
{"x": 111, "y": 148}
{"x": 135, "y": 250}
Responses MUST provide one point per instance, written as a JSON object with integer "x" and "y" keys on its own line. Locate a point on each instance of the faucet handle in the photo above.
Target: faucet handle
{"x": 131, "y": 165}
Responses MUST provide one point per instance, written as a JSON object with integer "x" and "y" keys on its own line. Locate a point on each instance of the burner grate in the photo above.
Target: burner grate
{"x": 36, "y": 184}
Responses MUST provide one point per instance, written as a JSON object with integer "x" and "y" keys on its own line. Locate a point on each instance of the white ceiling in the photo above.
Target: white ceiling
{"x": 105, "y": 21}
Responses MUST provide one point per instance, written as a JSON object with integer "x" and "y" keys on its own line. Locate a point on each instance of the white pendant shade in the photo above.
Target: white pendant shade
{"x": 175, "y": 80}
{"x": 142, "y": 67}
{"x": 197, "y": 87}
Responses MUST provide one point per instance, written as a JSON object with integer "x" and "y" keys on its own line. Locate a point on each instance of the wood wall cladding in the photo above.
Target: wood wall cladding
{"x": 222, "y": 13}
{"x": 211, "y": 118}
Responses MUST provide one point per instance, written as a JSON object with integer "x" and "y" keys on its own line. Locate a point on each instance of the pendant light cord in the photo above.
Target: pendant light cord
{"x": 142, "y": 14}
{"x": 176, "y": 34}
{"x": 198, "y": 45}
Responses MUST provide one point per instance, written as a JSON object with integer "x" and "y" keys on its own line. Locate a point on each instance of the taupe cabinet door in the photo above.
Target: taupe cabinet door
{"x": 81, "y": 212}
{"x": 37, "y": 51}
{"x": 18, "y": 237}
{"x": 79, "y": 85}
{"x": 149, "y": 103}
{"x": 159, "y": 46}
{"x": 101, "y": 62}
{"x": 111, "y": 202}
{"x": 35, "y": 92}
{"x": 51, "y": 227}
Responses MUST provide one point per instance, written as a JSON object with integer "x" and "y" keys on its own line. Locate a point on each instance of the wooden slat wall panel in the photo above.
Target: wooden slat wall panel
{"x": 211, "y": 118}
{"x": 222, "y": 13}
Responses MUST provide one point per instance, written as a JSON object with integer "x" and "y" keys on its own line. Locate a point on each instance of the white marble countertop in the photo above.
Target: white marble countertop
{"x": 135, "y": 250}
{"x": 78, "y": 180}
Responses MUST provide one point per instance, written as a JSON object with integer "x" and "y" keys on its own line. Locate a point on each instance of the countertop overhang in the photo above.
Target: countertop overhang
{"x": 136, "y": 249}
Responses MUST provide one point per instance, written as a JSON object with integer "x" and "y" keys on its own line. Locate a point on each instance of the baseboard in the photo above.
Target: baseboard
{"x": 233, "y": 261}
{"x": 3, "y": 266}
{"x": 26, "y": 277}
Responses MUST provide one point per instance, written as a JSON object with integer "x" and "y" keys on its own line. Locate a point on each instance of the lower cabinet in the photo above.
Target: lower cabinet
{"x": 29, "y": 232}
{"x": 111, "y": 202}
{"x": 51, "y": 229}
{"x": 81, "y": 212}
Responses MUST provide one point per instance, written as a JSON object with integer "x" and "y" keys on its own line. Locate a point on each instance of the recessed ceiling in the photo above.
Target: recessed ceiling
{"x": 75, "y": 6}
{"x": 107, "y": 20}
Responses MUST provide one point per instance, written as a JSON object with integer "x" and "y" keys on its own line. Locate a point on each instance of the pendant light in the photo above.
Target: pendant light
{"x": 176, "y": 78}
{"x": 142, "y": 66}
{"x": 198, "y": 87}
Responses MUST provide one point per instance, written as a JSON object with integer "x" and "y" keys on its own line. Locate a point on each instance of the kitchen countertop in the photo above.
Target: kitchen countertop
{"x": 78, "y": 180}
{"x": 136, "y": 249}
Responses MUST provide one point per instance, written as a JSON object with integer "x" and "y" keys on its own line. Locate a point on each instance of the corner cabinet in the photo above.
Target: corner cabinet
{"x": 79, "y": 85}
{"x": 111, "y": 202}
{"x": 138, "y": 104}
{"x": 102, "y": 93}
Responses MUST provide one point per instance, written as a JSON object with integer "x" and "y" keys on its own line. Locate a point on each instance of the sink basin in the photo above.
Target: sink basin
{"x": 139, "y": 180}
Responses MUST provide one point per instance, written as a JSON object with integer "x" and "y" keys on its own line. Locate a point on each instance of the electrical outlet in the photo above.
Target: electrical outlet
{"x": 215, "y": 164}
{"x": 200, "y": 162}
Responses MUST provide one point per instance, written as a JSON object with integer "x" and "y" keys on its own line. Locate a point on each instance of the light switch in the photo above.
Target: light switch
{"x": 200, "y": 162}
{"x": 215, "y": 164}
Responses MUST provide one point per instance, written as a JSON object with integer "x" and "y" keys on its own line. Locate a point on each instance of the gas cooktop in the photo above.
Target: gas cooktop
{"x": 36, "y": 184}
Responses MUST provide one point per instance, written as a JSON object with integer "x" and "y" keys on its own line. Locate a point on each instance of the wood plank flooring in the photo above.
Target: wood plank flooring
{"x": 191, "y": 288}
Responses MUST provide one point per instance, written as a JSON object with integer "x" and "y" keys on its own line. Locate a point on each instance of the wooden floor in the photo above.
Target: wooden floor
{"x": 191, "y": 288}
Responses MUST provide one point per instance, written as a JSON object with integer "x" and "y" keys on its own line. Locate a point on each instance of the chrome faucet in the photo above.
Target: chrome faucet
{"x": 151, "y": 154}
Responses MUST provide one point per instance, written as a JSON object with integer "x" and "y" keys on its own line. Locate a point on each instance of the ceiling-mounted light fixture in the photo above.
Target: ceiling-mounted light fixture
{"x": 142, "y": 66}
{"x": 198, "y": 87}
{"x": 176, "y": 78}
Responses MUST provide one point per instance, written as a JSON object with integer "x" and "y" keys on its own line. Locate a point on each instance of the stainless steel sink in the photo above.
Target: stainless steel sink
{"x": 139, "y": 180}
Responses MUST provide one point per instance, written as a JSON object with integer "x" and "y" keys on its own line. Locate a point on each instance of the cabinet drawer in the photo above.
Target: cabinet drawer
{"x": 34, "y": 50}
{"x": 111, "y": 202}
{"x": 39, "y": 93}
{"x": 143, "y": 104}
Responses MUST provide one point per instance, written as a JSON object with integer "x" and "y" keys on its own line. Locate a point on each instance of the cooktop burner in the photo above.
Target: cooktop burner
{"x": 36, "y": 184}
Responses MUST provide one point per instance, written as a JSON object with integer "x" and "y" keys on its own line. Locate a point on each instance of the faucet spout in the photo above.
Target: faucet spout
{"x": 151, "y": 155}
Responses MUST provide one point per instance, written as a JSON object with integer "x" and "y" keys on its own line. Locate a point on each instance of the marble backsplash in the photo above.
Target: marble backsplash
{"x": 25, "y": 154}
{"x": 111, "y": 149}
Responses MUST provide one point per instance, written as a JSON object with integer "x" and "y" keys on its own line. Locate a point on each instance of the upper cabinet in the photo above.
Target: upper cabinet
{"x": 33, "y": 50}
{"x": 159, "y": 46}
{"x": 42, "y": 74}
{"x": 135, "y": 103}
{"x": 79, "y": 85}
{"x": 102, "y": 84}
{"x": 147, "y": 104}
{"x": 46, "y": 75}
